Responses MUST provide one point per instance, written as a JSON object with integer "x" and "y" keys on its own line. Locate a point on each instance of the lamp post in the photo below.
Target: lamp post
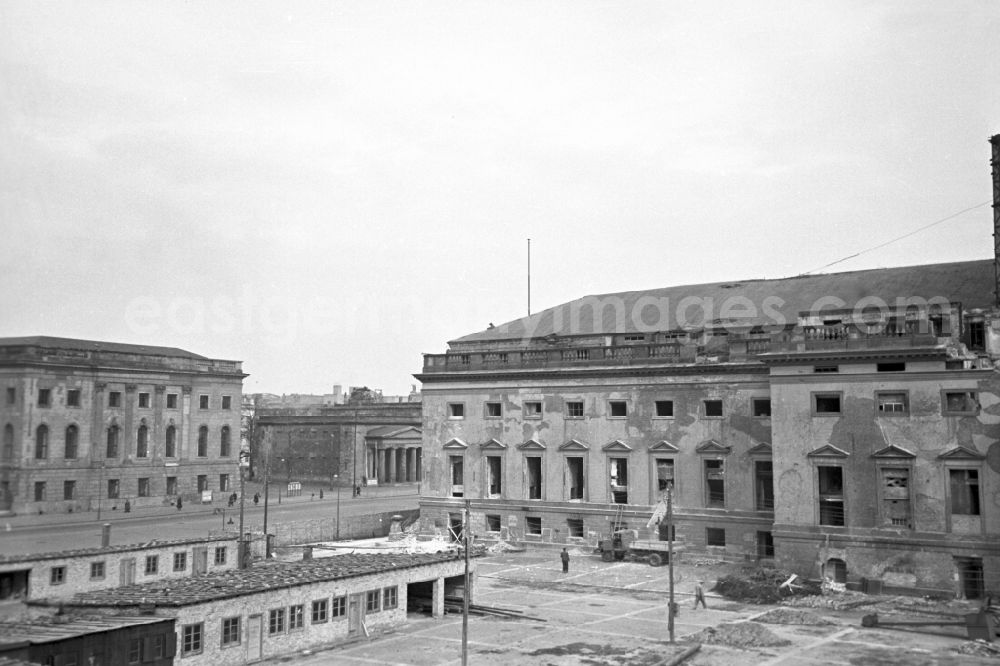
{"x": 338, "y": 506}
{"x": 242, "y": 548}
{"x": 670, "y": 558}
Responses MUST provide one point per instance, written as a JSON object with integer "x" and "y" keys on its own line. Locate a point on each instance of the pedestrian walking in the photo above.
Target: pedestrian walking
{"x": 358, "y": 490}
{"x": 699, "y": 595}
{"x": 564, "y": 556}
{"x": 256, "y": 498}
{"x": 180, "y": 504}
{"x": 128, "y": 506}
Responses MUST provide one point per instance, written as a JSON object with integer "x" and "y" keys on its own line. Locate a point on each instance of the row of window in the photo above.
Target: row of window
{"x": 574, "y": 409}
{"x": 98, "y": 568}
{"x": 44, "y": 399}
{"x": 897, "y": 403}
{"x": 71, "y": 442}
{"x": 143, "y": 487}
{"x": 285, "y": 619}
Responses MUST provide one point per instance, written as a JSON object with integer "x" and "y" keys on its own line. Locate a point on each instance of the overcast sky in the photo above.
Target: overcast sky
{"x": 326, "y": 190}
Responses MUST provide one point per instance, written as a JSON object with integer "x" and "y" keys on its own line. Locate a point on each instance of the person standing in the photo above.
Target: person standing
{"x": 564, "y": 556}
{"x": 180, "y": 504}
{"x": 699, "y": 595}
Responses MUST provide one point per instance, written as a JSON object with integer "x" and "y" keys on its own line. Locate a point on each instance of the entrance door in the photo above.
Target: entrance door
{"x": 255, "y": 635}
{"x": 199, "y": 565}
{"x": 126, "y": 571}
{"x": 354, "y": 614}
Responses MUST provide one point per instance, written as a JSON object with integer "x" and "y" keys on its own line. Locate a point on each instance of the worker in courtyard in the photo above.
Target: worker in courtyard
{"x": 564, "y": 556}
{"x": 699, "y": 594}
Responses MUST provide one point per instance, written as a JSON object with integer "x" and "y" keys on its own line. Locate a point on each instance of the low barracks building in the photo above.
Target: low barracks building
{"x": 279, "y": 608}
{"x": 87, "y": 423}
{"x": 847, "y": 425}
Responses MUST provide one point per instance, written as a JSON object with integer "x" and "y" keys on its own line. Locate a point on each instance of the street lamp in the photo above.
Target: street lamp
{"x": 338, "y": 506}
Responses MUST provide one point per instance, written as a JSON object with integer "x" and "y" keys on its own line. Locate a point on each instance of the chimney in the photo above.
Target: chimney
{"x": 995, "y": 163}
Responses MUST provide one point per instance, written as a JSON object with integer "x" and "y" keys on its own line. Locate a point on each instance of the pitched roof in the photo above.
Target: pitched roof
{"x": 970, "y": 283}
{"x": 106, "y": 550}
{"x": 259, "y": 578}
{"x": 48, "y": 629}
{"x": 96, "y": 346}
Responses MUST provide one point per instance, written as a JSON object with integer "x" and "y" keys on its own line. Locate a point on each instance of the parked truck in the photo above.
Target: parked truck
{"x": 619, "y": 547}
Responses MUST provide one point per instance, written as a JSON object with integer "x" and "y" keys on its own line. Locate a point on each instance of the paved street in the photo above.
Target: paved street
{"x": 54, "y": 532}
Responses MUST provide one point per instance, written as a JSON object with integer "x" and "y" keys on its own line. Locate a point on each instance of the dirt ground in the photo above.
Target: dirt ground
{"x": 615, "y": 613}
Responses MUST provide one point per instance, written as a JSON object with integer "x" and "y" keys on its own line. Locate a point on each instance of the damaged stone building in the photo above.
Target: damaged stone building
{"x": 844, "y": 425}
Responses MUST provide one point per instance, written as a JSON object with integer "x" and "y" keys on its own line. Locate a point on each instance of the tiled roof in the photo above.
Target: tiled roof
{"x": 100, "y": 550}
{"x": 57, "y": 628}
{"x": 96, "y": 346}
{"x": 968, "y": 282}
{"x": 259, "y": 578}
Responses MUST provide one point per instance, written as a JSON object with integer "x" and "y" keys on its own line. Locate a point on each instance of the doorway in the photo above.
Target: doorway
{"x": 255, "y": 637}
{"x": 970, "y": 577}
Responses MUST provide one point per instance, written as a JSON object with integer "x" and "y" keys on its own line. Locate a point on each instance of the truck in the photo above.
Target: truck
{"x": 654, "y": 551}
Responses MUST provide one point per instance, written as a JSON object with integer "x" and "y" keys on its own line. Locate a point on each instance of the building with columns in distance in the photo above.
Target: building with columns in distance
{"x": 88, "y": 424}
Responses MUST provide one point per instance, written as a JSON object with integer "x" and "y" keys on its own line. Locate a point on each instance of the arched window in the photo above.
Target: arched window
{"x": 42, "y": 442}
{"x": 8, "y": 442}
{"x": 114, "y": 435}
{"x": 142, "y": 442}
{"x": 203, "y": 442}
{"x": 72, "y": 441}
{"x": 224, "y": 442}
{"x": 171, "y": 442}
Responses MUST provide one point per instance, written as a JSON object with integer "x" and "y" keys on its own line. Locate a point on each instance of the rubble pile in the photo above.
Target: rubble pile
{"x": 739, "y": 635}
{"x": 841, "y": 601}
{"x": 979, "y": 648}
{"x": 792, "y": 616}
{"x": 764, "y": 586}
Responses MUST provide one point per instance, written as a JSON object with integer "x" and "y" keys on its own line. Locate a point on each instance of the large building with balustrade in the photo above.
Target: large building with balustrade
{"x": 95, "y": 424}
{"x": 844, "y": 425}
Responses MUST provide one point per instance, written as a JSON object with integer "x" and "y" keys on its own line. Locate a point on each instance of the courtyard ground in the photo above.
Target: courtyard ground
{"x": 615, "y": 613}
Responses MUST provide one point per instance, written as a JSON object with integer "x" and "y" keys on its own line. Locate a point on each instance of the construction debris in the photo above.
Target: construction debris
{"x": 763, "y": 586}
{"x": 455, "y": 605}
{"x": 739, "y": 635}
{"x": 792, "y": 616}
{"x": 979, "y": 648}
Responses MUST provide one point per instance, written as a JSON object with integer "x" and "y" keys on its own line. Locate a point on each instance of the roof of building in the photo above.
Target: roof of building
{"x": 72, "y": 344}
{"x": 259, "y": 578}
{"x": 750, "y": 302}
{"x": 107, "y": 550}
{"x": 49, "y": 629}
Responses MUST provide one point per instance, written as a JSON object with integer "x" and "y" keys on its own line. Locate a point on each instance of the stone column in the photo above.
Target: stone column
{"x": 392, "y": 465}
{"x": 379, "y": 454}
{"x": 437, "y": 602}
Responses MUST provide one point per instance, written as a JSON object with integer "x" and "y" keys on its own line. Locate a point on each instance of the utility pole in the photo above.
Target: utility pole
{"x": 670, "y": 558}
{"x": 465, "y": 592}
{"x": 529, "y": 277}
{"x": 244, "y": 463}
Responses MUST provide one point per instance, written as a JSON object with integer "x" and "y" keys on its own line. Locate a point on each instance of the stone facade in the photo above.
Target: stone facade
{"x": 88, "y": 424}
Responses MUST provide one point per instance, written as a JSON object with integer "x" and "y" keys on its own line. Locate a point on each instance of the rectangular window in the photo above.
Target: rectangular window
{"x": 44, "y": 397}
{"x": 191, "y": 638}
{"x": 715, "y": 536}
{"x": 152, "y": 564}
{"x": 220, "y": 554}
{"x": 574, "y": 477}
{"x": 39, "y": 491}
{"x": 134, "y": 650}
{"x": 373, "y": 599}
{"x": 113, "y": 488}
{"x": 618, "y": 468}
{"x": 574, "y": 527}
{"x": 144, "y": 400}
{"x": 227, "y": 402}
{"x": 180, "y": 561}
{"x": 826, "y": 403}
{"x": 69, "y": 490}
{"x": 320, "y": 611}
{"x": 73, "y": 398}
{"x": 890, "y": 367}
{"x": 760, "y": 407}
{"x": 765, "y": 544}
{"x": 533, "y": 409}
{"x": 338, "y": 607}
{"x": 892, "y": 403}
{"x": 763, "y": 471}
{"x": 713, "y": 408}
{"x": 171, "y": 485}
{"x": 230, "y": 631}
{"x": 534, "y": 473}
{"x": 456, "y": 410}
{"x": 296, "y": 617}
{"x": 617, "y": 409}
{"x": 171, "y": 401}
{"x": 831, "y": 495}
{"x": 97, "y": 570}
{"x": 159, "y": 646}
{"x": 574, "y": 409}
{"x": 664, "y": 408}
{"x": 826, "y": 368}
{"x": 276, "y": 621}
{"x": 896, "y": 496}
{"x": 57, "y": 575}
{"x": 494, "y": 410}
{"x": 958, "y": 403}
{"x": 977, "y": 335}
{"x": 964, "y": 491}
{"x": 202, "y": 402}
{"x": 114, "y": 399}
{"x": 224, "y": 482}
{"x": 144, "y": 487}
{"x": 664, "y": 474}
{"x": 390, "y": 598}
{"x": 11, "y": 395}
{"x": 494, "y": 475}
{"x": 457, "y": 476}
{"x": 492, "y": 523}
{"x": 533, "y": 525}
{"x": 202, "y": 483}
{"x": 715, "y": 485}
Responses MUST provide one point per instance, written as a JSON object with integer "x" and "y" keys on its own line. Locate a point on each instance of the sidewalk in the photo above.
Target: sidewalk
{"x": 310, "y": 493}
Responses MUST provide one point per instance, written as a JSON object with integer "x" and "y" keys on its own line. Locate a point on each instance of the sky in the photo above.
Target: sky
{"x": 327, "y": 190}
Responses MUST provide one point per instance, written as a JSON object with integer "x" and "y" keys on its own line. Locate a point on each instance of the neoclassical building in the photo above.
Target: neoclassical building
{"x": 88, "y": 424}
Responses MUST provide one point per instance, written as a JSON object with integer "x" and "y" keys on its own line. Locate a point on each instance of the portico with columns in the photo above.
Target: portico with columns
{"x": 393, "y": 455}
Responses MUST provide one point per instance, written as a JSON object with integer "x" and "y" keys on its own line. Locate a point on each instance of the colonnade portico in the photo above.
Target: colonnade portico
{"x": 393, "y": 455}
